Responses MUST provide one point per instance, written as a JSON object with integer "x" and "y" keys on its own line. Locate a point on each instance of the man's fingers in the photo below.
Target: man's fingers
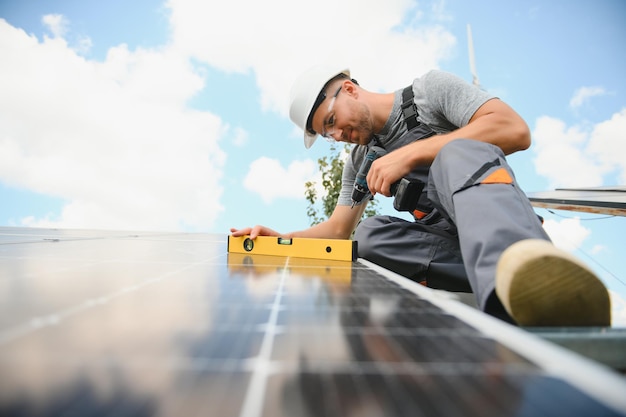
{"x": 240, "y": 232}
{"x": 254, "y": 232}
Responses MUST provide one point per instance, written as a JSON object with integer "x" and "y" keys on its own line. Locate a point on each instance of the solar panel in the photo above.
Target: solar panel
{"x": 170, "y": 324}
{"x": 601, "y": 200}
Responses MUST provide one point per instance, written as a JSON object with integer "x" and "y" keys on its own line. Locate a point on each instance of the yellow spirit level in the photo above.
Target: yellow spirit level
{"x": 299, "y": 247}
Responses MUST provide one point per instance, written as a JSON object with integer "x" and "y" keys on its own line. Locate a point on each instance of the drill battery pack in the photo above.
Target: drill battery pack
{"x": 406, "y": 194}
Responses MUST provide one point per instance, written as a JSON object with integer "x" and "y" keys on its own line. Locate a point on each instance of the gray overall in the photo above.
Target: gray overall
{"x": 457, "y": 245}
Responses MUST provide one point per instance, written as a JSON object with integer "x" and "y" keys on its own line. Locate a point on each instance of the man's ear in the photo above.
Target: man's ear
{"x": 350, "y": 88}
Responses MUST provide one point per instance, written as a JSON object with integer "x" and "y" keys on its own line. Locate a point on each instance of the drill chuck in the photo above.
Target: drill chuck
{"x": 361, "y": 190}
{"x": 358, "y": 194}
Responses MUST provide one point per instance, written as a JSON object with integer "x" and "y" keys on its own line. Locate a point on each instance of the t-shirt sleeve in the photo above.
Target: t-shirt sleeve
{"x": 348, "y": 176}
{"x": 347, "y": 183}
{"x": 446, "y": 101}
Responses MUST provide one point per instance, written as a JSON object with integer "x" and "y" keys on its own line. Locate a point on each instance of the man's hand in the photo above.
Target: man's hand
{"x": 255, "y": 231}
{"x": 387, "y": 170}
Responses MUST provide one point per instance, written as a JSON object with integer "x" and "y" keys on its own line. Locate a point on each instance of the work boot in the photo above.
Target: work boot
{"x": 541, "y": 285}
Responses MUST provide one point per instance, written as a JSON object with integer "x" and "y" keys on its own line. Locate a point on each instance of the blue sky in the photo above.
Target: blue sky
{"x": 153, "y": 115}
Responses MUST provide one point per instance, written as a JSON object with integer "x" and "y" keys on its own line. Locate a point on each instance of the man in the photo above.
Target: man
{"x": 474, "y": 229}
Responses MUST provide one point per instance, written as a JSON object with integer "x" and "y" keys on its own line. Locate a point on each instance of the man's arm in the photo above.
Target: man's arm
{"x": 494, "y": 122}
{"x": 340, "y": 225}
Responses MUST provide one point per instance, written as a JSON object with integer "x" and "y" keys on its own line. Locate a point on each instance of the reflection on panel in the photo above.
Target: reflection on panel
{"x": 95, "y": 323}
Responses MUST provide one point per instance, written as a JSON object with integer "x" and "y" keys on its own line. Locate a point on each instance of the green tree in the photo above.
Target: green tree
{"x": 331, "y": 168}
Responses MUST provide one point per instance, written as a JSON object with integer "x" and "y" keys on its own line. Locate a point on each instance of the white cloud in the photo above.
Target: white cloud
{"x": 578, "y": 157}
{"x": 59, "y": 26}
{"x": 607, "y": 144}
{"x": 240, "y": 137}
{"x": 56, "y": 23}
{"x": 597, "y": 249}
{"x": 567, "y": 234}
{"x": 114, "y": 138}
{"x": 270, "y": 180}
{"x": 561, "y": 155}
{"x": 83, "y": 45}
{"x": 585, "y": 93}
{"x": 278, "y": 46}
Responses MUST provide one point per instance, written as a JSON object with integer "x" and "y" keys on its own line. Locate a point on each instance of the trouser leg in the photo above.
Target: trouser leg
{"x": 473, "y": 185}
{"x": 422, "y": 251}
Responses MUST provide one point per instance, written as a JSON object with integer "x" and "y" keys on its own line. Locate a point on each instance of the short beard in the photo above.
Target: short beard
{"x": 364, "y": 124}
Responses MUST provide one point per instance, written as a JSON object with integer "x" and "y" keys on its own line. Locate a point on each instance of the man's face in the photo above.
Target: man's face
{"x": 342, "y": 117}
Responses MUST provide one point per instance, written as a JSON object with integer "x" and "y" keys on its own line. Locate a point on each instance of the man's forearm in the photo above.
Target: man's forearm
{"x": 340, "y": 225}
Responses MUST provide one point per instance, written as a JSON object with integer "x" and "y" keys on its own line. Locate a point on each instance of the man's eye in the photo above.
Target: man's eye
{"x": 331, "y": 121}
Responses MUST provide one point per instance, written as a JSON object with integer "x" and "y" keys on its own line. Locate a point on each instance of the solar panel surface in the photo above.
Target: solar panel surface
{"x": 170, "y": 324}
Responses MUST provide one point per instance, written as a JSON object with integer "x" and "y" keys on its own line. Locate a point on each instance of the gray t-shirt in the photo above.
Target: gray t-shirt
{"x": 444, "y": 102}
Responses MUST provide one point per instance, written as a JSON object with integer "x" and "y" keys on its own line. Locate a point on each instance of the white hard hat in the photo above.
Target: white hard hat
{"x": 304, "y": 95}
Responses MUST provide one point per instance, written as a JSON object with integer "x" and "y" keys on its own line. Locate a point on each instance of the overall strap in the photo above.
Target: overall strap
{"x": 409, "y": 109}
{"x": 416, "y": 200}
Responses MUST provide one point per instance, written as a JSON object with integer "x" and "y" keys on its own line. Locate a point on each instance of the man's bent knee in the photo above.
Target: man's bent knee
{"x": 364, "y": 235}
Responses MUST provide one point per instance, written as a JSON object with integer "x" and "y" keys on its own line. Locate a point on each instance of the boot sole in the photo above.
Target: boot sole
{"x": 541, "y": 285}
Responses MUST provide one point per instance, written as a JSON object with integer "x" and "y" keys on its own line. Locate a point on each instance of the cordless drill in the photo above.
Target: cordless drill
{"x": 361, "y": 190}
{"x": 406, "y": 192}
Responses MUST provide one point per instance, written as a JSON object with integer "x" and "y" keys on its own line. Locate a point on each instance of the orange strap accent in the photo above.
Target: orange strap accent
{"x": 499, "y": 176}
{"x": 419, "y": 215}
